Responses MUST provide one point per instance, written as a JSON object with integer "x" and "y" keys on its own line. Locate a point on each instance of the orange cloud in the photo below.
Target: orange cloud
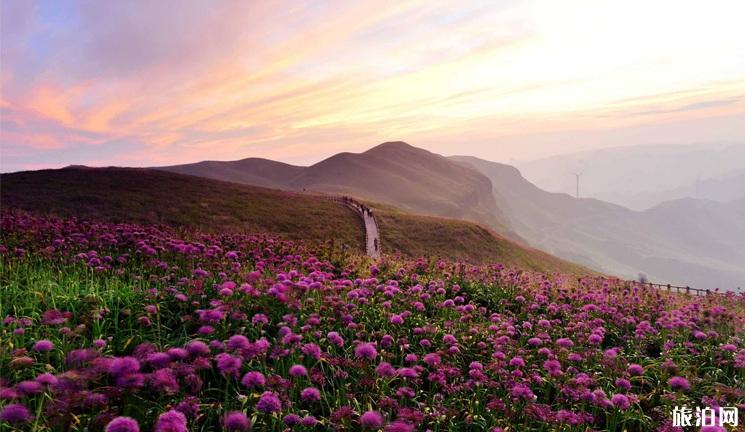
{"x": 412, "y": 70}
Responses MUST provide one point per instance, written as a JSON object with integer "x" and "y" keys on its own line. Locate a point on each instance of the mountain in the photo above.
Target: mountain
{"x": 396, "y": 173}
{"x": 636, "y": 177}
{"x": 686, "y": 242}
{"x": 250, "y": 171}
{"x": 728, "y": 187}
{"x": 159, "y": 197}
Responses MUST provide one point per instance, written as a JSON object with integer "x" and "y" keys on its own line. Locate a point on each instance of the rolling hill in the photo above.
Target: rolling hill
{"x": 152, "y": 196}
{"x": 396, "y": 173}
{"x": 687, "y": 241}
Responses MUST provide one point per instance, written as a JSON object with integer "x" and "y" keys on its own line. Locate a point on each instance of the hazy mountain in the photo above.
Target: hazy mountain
{"x": 251, "y": 171}
{"x": 729, "y": 187}
{"x": 687, "y": 241}
{"x": 636, "y": 177}
{"x": 394, "y": 173}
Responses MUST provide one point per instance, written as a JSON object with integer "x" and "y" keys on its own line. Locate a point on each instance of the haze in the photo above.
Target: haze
{"x": 154, "y": 83}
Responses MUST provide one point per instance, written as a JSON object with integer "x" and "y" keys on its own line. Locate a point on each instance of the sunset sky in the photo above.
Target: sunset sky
{"x": 164, "y": 82}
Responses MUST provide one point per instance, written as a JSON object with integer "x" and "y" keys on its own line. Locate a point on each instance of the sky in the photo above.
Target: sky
{"x": 147, "y": 83}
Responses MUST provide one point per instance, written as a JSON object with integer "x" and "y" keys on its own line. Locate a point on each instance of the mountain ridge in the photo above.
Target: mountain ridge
{"x": 393, "y": 172}
{"x": 687, "y": 241}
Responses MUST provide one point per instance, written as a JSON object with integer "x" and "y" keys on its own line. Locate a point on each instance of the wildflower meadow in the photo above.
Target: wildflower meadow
{"x": 125, "y": 328}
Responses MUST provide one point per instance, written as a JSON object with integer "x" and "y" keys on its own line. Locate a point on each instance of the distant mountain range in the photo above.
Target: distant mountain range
{"x": 728, "y": 187}
{"x": 640, "y": 177}
{"x": 688, "y": 241}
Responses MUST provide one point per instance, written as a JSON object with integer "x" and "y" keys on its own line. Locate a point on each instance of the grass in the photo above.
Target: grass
{"x": 155, "y": 197}
{"x": 459, "y": 240}
{"x": 490, "y": 313}
{"x": 189, "y": 202}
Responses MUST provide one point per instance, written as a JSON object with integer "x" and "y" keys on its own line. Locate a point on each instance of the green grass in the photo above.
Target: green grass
{"x": 454, "y": 239}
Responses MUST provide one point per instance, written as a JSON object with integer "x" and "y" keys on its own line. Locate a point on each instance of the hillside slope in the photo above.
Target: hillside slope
{"x": 152, "y": 196}
{"x": 687, "y": 242}
{"x": 394, "y": 173}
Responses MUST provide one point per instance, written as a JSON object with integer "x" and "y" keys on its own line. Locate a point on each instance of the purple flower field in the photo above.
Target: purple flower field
{"x": 122, "y": 327}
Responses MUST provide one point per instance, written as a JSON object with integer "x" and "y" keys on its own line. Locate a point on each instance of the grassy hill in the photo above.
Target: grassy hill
{"x": 151, "y": 196}
{"x": 454, "y": 239}
{"x": 396, "y": 173}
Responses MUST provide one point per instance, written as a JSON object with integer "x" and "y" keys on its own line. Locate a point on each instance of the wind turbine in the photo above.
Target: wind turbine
{"x": 578, "y": 175}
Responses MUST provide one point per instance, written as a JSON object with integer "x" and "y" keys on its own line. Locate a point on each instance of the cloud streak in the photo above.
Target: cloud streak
{"x": 175, "y": 81}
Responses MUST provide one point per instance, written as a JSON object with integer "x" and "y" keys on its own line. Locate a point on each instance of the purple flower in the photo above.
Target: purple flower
{"x": 371, "y": 420}
{"x": 679, "y": 383}
{"x": 517, "y": 362}
{"x": 28, "y": 387}
{"x": 521, "y": 391}
{"x": 298, "y": 371}
{"x": 291, "y": 419}
{"x": 399, "y": 426}
{"x": 236, "y": 421}
{"x": 123, "y": 424}
{"x": 623, "y": 383}
{"x": 159, "y": 360}
{"x": 269, "y": 403}
{"x": 564, "y": 342}
{"x": 366, "y": 351}
{"x": 43, "y": 345}
{"x": 397, "y": 319}
{"x": 189, "y": 406}
{"x": 635, "y": 370}
{"x": 449, "y": 339}
{"x": 47, "y": 379}
{"x": 253, "y": 379}
{"x": 228, "y": 364}
{"x": 406, "y": 372}
{"x": 311, "y": 350}
{"x": 385, "y": 370}
{"x": 171, "y": 421}
{"x": 124, "y": 366}
{"x": 620, "y": 401}
{"x": 164, "y": 381}
{"x": 15, "y": 413}
{"x": 335, "y": 339}
{"x": 197, "y": 348}
{"x": 238, "y": 342}
{"x": 310, "y": 394}
{"x": 309, "y": 421}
